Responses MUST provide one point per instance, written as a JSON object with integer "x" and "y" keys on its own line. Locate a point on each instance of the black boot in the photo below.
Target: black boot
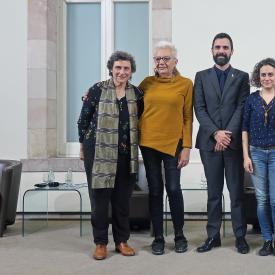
{"x": 158, "y": 246}
{"x": 267, "y": 249}
{"x": 180, "y": 244}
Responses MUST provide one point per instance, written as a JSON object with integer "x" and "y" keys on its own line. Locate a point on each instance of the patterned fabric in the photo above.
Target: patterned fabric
{"x": 123, "y": 127}
{"x": 260, "y": 135}
{"x": 106, "y": 146}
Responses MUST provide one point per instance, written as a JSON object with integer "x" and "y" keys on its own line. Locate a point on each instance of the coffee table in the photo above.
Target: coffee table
{"x": 76, "y": 188}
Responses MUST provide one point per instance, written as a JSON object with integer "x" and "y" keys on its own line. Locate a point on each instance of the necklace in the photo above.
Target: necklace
{"x": 266, "y": 107}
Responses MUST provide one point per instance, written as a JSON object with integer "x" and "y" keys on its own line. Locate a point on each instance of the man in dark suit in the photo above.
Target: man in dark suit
{"x": 219, "y": 96}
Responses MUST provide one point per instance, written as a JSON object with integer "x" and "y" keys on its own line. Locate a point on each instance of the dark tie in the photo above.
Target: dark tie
{"x": 222, "y": 80}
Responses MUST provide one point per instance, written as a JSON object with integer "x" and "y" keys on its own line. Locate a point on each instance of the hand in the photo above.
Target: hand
{"x": 183, "y": 158}
{"x": 220, "y": 147}
{"x": 85, "y": 96}
{"x": 247, "y": 164}
{"x": 223, "y": 138}
{"x": 81, "y": 152}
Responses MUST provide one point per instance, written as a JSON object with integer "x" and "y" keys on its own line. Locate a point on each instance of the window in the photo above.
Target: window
{"x": 131, "y": 34}
{"x": 92, "y": 30}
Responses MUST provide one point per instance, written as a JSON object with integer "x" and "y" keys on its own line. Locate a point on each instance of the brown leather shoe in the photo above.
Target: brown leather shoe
{"x": 125, "y": 249}
{"x": 100, "y": 252}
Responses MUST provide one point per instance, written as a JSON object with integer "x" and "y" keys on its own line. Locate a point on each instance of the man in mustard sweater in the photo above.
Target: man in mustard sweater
{"x": 219, "y": 96}
{"x": 165, "y": 138}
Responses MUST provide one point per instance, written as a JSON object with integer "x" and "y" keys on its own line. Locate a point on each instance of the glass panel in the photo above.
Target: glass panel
{"x": 132, "y": 34}
{"x": 83, "y": 57}
{"x": 35, "y": 217}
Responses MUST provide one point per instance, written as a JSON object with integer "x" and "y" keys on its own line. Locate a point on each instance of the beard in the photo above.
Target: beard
{"x": 221, "y": 59}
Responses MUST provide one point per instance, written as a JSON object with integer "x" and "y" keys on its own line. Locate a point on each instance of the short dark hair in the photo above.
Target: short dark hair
{"x": 255, "y": 76}
{"x": 119, "y": 55}
{"x": 221, "y": 36}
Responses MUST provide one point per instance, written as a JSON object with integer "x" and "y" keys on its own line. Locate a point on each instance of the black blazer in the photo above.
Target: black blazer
{"x": 219, "y": 111}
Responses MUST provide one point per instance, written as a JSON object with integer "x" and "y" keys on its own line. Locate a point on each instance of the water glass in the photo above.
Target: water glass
{"x": 45, "y": 177}
{"x": 203, "y": 181}
{"x": 69, "y": 176}
{"x": 51, "y": 176}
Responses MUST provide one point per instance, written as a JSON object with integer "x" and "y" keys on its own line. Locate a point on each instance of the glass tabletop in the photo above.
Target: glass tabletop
{"x": 61, "y": 186}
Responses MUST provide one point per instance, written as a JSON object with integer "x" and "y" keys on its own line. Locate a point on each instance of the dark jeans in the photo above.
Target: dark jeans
{"x": 153, "y": 160}
{"x": 119, "y": 197}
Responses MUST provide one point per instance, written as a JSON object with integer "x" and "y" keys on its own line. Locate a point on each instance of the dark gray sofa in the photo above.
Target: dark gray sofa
{"x": 10, "y": 176}
{"x": 250, "y": 204}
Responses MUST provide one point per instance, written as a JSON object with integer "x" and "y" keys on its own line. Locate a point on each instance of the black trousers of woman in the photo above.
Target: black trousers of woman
{"x": 119, "y": 197}
{"x": 153, "y": 160}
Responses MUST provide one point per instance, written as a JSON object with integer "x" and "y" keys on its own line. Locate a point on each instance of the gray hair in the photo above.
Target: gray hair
{"x": 119, "y": 55}
{"x": 166, "y": 45}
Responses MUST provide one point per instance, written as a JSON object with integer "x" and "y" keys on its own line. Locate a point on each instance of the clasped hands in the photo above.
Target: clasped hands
{"x": 223, "y": 139}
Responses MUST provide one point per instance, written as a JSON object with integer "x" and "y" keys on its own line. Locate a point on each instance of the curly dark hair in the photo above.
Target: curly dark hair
{"x": 221, "y": 36}
{"x": 119, "y": 55}
{"x": 255, "y": 76}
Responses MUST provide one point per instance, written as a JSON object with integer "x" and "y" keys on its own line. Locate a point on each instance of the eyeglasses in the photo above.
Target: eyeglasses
{"x": 165, "y": 59}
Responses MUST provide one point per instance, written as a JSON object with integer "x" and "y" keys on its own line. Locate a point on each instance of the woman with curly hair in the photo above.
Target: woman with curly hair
{"x": 108, "y": 136}
{"x": 259, "y": 147}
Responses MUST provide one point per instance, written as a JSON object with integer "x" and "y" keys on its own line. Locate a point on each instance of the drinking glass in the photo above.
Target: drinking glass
{"x": 203, "y": 181}
{"x": 51, "y": 175}
{"x": 69, "y": 176}
{"x": 45, "y": 177}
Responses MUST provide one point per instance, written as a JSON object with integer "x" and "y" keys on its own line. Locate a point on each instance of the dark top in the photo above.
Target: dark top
{"x": 87, "y": 123}
{"x": 222, "y": 75}
{"x": 123, "y": 127}
{"x": 260, "y": 135}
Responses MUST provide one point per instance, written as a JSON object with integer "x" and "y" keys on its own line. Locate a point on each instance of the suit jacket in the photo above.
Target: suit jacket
{"x": 219, "y": 111}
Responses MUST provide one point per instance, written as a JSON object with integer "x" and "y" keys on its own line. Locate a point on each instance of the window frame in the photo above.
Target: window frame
{"x": 71, "y": 149}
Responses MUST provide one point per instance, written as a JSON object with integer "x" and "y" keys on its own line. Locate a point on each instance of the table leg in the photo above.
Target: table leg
{"x": 223, "y": 215}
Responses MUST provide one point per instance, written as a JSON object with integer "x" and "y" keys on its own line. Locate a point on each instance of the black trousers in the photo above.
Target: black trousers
{"x": 153, "y": 160}
{"x": 119, "y": 198}
{"x": 217, "y": 165}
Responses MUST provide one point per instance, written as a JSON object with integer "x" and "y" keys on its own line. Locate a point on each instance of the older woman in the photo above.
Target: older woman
{"x": 259, "y": 147}
{"x": 165, "y": 137}
{"x": 109, "y": 147}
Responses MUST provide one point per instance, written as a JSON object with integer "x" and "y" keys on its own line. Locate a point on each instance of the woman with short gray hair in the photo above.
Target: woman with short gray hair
{"x": 166, "y": 138}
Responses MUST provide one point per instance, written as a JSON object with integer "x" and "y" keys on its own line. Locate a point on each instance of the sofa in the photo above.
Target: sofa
{"x": 250, "y": 204}
{"x": 10, "y": 176}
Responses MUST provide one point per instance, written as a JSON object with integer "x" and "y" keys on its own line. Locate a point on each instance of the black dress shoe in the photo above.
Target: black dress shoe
{"x": 181, "y": 244}
{"x": 158, "y": 246}
{"x": 209, "y": 244}
{"x": 266, "y": 249}
{"x": 242, "y": 245}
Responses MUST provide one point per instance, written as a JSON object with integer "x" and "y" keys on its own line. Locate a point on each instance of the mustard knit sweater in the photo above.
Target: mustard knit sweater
{"x": 168, "y": 113}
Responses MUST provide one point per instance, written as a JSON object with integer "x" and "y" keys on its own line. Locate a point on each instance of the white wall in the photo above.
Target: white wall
{"x": 13, "y": 79}
{"x": 196, "y": 22}
{"x": 194, "y": 25}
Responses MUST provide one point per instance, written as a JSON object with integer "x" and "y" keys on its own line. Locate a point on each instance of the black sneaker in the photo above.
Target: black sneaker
{"x": 267, "y": 249}
{"x": 158, "y": 246}
{"x": 181, "y": 244}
